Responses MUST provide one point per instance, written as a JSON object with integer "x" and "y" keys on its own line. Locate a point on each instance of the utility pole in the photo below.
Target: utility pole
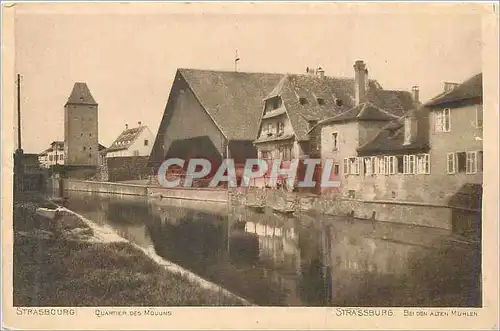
{"x": 236, "y": 59}
{"x": 18, "y": 156}
{"x": 19, "y": 147}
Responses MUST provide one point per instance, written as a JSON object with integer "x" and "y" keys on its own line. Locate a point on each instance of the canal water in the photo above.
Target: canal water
{"x": 280, "y": 260}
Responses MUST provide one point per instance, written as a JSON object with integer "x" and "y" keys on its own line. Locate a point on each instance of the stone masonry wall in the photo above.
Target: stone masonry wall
{"x": 438, "y": 216}
{"x": 127, "y": 168}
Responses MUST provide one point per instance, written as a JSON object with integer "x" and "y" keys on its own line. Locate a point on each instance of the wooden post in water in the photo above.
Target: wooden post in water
{"x": 61, "y": 187}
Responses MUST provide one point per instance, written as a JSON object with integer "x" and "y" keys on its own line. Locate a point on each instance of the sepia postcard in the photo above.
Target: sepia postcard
{"x": 250, "y": 165}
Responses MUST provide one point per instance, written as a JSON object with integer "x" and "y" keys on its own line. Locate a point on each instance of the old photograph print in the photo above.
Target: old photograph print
{"x": 248, "y": 158}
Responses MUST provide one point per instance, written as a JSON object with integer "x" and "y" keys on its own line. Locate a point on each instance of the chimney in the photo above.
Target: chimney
{"x": 448, "y": 86}
{"x": 320, "y": 72}
{"x": 367, "y": 81}
{"x": 310, "y": 71}
{"x": 415, "y": 93}
{"x": 140, "y": 123}
{"x": 126, "y": 126}
{"x": 411, "y": 128}
{"x": 360, "y": 80}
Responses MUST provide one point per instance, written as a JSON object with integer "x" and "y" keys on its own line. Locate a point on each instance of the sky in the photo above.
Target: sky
{"x": 128, "y": 55}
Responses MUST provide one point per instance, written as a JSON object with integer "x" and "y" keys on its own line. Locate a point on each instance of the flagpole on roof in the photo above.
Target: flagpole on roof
{"x": 236, "y": 59}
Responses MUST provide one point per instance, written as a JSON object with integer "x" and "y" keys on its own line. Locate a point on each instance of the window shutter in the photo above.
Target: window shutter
{"x": 480, "y": 161}
{"x": 450, "y": 163}
{"x": 368, "y": 166}
{"x": 405, "y": 164}
{"x": 474, "y": 161}
{"x": 346, "y": 166}
{"x": 411, "y": 165}
{"x": 471, "y": 166}
{"x": 479, "y": 116}
{"x": 419, "y": 164}
{"x": 447, "y": 120}
{"x": 438, "y": 119}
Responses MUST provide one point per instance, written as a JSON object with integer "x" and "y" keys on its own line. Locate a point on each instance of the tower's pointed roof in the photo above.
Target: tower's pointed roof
{"x": 81, "y": 95}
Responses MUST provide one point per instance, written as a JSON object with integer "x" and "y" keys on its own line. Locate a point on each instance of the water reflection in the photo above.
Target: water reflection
{"x": 274, "y": 259}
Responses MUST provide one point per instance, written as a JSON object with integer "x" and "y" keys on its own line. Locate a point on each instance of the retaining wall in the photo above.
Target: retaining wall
{"x": 215, "y": 195}
{"x": 105, "y": 187}
{"x": 204, "y": 194}
{"x": 422, "y": 214}
{"x": 430, "y": 215}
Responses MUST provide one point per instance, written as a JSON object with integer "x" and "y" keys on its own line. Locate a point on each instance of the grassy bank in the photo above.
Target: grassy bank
{"x": 56, "y": 263}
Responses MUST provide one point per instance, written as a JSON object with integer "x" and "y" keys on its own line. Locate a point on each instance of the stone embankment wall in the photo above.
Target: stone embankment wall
{"x": 104, "y": 187}
{"x": 438, "y": 216}
{"x": 70, "y": 184}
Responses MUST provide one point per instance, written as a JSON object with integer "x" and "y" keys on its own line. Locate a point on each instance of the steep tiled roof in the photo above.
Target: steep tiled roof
{"x": 395, "y": 102}
{"x": 472, "y": 88}
{"x": 126, "y": 139}
{"x": 232, "y": 99}
{"x": 45, "y": 152}
{"x": 80, "y": 95}
{"x": 363, "y": 112}
{"x": 332, "y": 90}
{"x": 391, "y": 138}
{"x": 310, "y": 88}
{"x": 59, "y": 143}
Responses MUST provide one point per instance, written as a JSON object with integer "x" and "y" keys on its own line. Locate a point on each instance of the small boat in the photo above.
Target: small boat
{"x": 52, "y": 214}
{"x": 287, "y": 211}
{"x": 257, "y": 208}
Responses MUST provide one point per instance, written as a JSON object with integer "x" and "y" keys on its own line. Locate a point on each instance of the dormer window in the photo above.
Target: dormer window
{"x": 321, "y": 101}
{"x": 273, "y": 103}
{"x": 302, "y": 100}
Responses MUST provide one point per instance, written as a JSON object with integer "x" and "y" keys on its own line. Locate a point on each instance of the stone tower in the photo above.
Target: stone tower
{"x": 81, "y": 143}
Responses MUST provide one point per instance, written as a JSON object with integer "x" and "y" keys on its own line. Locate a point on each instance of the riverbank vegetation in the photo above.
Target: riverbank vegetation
{"x": 58, "y": 263}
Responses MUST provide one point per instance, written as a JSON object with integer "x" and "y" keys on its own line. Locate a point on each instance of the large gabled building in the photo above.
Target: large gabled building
{"x": 241, "y": 115}
{"x": 428, "y": 156}
{"x": 212, "y": 114}
{"x": 299, "y": 102}
{"x": 313, "y": 115}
